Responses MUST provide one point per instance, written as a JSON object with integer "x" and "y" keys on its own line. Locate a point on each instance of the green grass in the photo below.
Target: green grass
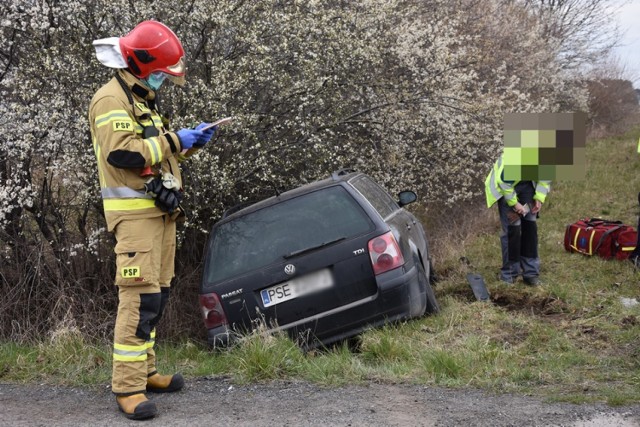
{"x": 569, "y": 340}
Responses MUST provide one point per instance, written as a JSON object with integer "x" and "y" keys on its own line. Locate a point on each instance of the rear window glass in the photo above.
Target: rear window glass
{"x": 265, "y": 236}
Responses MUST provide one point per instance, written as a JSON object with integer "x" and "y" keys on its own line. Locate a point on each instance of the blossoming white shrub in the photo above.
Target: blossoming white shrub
{"x": 412, "y": 92}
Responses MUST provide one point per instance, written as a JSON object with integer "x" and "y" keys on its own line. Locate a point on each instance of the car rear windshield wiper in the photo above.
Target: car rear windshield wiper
{"x": 313, "y": 248}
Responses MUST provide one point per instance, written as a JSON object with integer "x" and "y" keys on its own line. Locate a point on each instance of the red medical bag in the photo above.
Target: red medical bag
{"x": 595, "y": 236}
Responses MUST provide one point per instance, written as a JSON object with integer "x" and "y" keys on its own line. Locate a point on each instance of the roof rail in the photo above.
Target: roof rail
{"x": 341, "y": 172}
{"x": 235, "y": 209}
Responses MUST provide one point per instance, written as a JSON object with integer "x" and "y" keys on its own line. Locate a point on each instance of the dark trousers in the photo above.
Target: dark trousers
{"x": 519, "y": 243}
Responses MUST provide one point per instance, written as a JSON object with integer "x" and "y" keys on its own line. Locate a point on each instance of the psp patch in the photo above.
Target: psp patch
{"x": 122, "y": 126}
{"x": 130, "y": 272}
{"x": 143, "y": 107}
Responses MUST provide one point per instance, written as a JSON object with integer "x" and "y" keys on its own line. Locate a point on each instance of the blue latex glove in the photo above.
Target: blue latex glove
{"x": 206, "y": 135}
{"x": 188, "y": 137}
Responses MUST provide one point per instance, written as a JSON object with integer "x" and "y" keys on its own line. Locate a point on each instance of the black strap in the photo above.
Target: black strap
{"x": 150, "y": 103}
{"x": 604, "y": 236}
{"x": 599, "y": 221}
{"x": 125, "y": 88}
{"x": 141, "y": 92}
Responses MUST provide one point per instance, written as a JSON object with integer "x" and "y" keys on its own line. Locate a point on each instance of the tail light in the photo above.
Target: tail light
{"x": 212, "y": 311}
{"x": 385, "y": 253}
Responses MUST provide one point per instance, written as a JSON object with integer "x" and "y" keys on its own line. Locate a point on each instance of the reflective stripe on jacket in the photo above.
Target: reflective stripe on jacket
{"x": 495, "y": 187}
{"x": 117, "y": 127}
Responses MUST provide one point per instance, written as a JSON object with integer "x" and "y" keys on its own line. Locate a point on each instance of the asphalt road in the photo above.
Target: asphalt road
{"x": 219, "y": 402}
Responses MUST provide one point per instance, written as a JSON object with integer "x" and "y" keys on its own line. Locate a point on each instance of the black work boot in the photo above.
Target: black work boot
{"x": 157, "y": 383}
{"x": 136, "y": 406}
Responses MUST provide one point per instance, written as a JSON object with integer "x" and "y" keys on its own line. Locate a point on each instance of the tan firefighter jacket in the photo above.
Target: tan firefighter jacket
{"x": 117, "y": 122}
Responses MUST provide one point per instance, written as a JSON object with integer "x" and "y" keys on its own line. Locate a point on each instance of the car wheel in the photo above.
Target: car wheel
{"x": 418, "y": 294}
{"x": 354, "y": 344}
{"x": 433, "y": 277}
{"x": 432, "y": 303}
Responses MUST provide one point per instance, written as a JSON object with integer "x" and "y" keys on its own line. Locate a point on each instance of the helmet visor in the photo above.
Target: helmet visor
{"x": 177, "y": 69}
{"x": 178, "y": 80}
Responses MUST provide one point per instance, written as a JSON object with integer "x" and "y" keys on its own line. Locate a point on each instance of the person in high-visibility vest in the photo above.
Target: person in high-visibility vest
{"x": 138, "y": 168}
{"x": 518, "y": 205}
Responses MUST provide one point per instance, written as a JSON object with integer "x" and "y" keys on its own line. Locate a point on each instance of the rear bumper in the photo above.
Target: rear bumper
{"x": 392, "y": 302}
{"x": 218, "y": 337}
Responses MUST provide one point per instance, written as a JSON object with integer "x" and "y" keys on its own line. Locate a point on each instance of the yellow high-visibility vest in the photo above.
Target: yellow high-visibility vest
{"x": 495, "y": 187}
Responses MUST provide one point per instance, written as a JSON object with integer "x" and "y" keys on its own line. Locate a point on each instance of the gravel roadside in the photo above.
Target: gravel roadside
{"x": 217, "y": 401}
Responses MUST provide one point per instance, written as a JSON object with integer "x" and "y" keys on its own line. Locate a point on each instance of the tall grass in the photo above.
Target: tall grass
{"x": 571, "y": 339}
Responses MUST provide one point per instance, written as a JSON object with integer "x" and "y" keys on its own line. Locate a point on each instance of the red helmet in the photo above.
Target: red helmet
{"x": 152, "y": 46}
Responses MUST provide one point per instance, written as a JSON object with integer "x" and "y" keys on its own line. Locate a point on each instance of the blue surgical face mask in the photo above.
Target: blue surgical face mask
{"x": 154, "y": 81}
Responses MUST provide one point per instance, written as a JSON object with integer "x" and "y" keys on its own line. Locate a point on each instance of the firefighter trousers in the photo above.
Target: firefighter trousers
{"x": 145, "y": 253}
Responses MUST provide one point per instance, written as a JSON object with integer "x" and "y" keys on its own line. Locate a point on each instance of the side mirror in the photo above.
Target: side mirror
{"x": 406, "y": 197}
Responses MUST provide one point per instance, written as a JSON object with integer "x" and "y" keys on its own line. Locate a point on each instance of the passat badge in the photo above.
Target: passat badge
{"x": 290, "y": 269}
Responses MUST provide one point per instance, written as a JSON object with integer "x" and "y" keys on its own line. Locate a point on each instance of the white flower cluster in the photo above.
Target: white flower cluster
{"x": 411, "y": 92}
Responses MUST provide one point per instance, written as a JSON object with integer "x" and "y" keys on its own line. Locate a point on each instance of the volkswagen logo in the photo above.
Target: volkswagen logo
{"x": 290, "y": 269}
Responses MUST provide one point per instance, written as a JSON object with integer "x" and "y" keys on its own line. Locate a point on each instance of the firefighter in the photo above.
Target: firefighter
{"x": 138, "y": 166}
{"x": 518, "y": 205}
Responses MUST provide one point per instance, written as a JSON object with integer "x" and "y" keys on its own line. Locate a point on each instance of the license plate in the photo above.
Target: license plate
{"x": 294, "y": 288}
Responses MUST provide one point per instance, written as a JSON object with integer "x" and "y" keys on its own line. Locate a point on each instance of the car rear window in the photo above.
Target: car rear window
{"x": 265, "y": 236}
